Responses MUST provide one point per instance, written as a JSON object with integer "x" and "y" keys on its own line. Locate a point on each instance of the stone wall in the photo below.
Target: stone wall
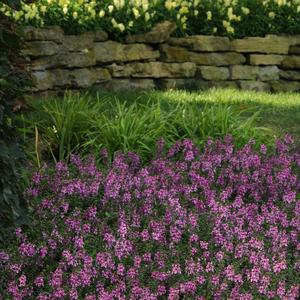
{"x": 154, "y": 60}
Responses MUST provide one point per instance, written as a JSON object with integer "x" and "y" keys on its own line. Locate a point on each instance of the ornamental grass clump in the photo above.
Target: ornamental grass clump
{"x": 211, "y": 223}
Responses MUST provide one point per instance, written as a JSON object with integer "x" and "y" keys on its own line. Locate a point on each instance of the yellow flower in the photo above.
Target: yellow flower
{"x": 136, "y": 12}
{"x": 196, "y": 12}
{"x": 75, "y": 15}
{"x": 121, "y": 27}
{"x": 184, "y": 10}
{"x": 93, "y": 13}
{"x": 119, "y": 4}
{"x": 145, "y": 6}
{"x": 130, "y": 24}
{"x": 63, "y": 2}
{"x": 147, "y": 16}
{"x": 226, "y": 23}
{"x": 16, "y": 16}
{"x": 169, "y": 4}
{"x": 65, "y": 10}
{"x": 230, "y": 29}
{"x": 101, "y": 13}
{"x": 281, "y": 2}
{"x": 209, "y": 15}
{"x": 114, "y": 23}
{"x": 183, "y": 19}
{"x": 215, "y": 29}
{"x": 196, "y": 2}
{"x": 110, "y": 8}
{"x": 245, "y": 10}
{"x": 43, "y": 8}
{"x": 271, "y": 14}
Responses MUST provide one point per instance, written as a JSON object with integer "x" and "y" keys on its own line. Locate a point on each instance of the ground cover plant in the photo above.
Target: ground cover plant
{"x": 234, "y": 18}
{"x": 86, "y": 123}
{"x": 195, "y": 223}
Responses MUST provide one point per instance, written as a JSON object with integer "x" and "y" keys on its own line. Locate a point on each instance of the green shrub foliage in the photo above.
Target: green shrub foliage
{"x": 234, "y": 18}
{"x": 12, "y": 80}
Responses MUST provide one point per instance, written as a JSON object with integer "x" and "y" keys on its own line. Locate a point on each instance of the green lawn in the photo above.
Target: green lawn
{"x": 279, "y": 112}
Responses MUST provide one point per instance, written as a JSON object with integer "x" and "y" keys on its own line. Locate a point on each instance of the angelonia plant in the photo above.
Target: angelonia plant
{"x": 211, "y": 223}
{"x": 234, "y": 18}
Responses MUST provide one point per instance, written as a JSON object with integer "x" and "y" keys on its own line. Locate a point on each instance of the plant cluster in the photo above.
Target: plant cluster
{"x": 211, "y": 223}
{"x": 234, "y": 18}
{"x": 13, "y": 78}
{"x": 85, "y": 124}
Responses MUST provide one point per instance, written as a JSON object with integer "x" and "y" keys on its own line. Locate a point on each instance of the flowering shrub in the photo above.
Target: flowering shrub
{"x": 118, "y": 17}
{"x": 218, "y": 223}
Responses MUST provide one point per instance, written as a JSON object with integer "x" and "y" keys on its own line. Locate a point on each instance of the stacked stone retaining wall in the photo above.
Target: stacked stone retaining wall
{"x": 157, "y": 61}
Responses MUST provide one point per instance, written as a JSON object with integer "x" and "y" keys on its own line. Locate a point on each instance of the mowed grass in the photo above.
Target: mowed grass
{"x": 279, "y": 112}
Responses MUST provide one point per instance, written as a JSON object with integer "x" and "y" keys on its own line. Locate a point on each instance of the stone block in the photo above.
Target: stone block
{"x": 117, "y": 85}
{"x": 254, "y": 85}
{"x": 160, "y": 70}
{"x": 76, "y": 43}
{"x": 60, "y": 77}
{"x": 285, "y": 86}
{"x": 268, "y": 44}
{"x": 203, "y": 43}
{"x": 213, "y": 73}
{"x": 195, "y": 84}
{"x": 295, "y": 50}
{"x": 178, "y": 83}
{"x": 119, "y": 70}
{"x": 70, "y": 60}
{"x": 43, "y": 80}
{"x": 48, "y": 62}
{"x": 48, "y": 33}
{"x": 289, "y": 75}
{"x": 84, "y": 78}
{"x": 179, "y": 54}
{"x": 78, "y": 78}
{"x": 111, "y": 51}
{"x": 40, "y": 48}
{"x": 100, "y": 36}
{"x": 244, "y": 72}
{"x": 291, "y": 62}
{"x": 224, "y": 84}
{"x": 268, "y": 73}
{"x": 266, "y": 59}
{"x": 80, "y": 59}
{"x": 160, "y": 33}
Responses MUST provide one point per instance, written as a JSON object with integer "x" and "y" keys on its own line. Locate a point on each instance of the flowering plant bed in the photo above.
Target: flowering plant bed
{"x": 212, "y": 223}
{"x": 237, "y": 18}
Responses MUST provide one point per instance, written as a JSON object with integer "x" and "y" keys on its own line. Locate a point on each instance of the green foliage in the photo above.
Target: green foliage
{"x": 60, "y": 126}
{"x": 234, "y": 18}
{"x": 86, "y": 124}
{"x": 134, "y": 127}
{"x": 12, "y": 79}
{"x": 202, "y": 123}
